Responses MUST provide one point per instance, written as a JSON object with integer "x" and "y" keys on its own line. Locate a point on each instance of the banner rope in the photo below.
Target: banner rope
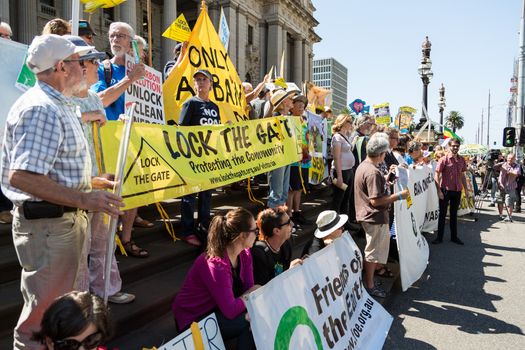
{"x": 251, "y": 196}
{"x": 167, "y": 221}
{"x": 301, "y": 176}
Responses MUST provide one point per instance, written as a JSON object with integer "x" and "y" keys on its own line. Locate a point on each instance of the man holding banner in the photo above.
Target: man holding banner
{"x": 372, "y": 204}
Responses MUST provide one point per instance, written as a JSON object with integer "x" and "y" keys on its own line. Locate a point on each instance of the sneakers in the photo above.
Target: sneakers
{"x": 502, "y": 217}
{"x": 121, "y": 298}
{"x": 457, "y": 241}
{"x": 298, "y": 218}
{"x": 492, "y": 205}
{"x": 6, "y": 217}
{"x": 437, "y": 241}
{"x": 376, "y": 292}
{"x": 507, "y": 218}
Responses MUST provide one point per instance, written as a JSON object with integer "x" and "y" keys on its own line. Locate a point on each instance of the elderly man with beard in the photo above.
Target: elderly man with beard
{"x": 46, "y": 173}
{"x": 111, "y": 87}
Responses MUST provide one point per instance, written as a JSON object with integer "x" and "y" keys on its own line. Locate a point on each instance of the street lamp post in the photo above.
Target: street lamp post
{"x": 441, "y": 105}
{"x": 425, "y": 71}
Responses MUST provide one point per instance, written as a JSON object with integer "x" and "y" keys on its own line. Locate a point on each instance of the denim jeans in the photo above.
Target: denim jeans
{"x": 236, "y": 328}
{"x": 279, "y": 180}
{"x": 493, "y": 189}
{"x": 187, "y": 209}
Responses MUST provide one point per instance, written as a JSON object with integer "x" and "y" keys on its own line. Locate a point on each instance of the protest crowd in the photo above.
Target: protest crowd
{"x": 58, "y": 200}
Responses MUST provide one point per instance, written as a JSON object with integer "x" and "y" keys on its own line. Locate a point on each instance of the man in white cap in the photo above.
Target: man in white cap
{"x": 46, "y": 171}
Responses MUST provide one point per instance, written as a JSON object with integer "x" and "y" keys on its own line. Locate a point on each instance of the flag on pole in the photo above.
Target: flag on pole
{"x": 205, "y": 51}
{"x": 224, "y": 30}
{"x": 179, "y": 30}
{"x": 92, "y": 5}
{"x": 447, "y": 133}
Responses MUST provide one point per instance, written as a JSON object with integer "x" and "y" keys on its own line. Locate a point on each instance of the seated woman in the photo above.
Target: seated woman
{"x": 76, "y": 320}
{"x": 221, "y": 279}
{"x": 272, "y": 255}
{"x": 330, "y": 226}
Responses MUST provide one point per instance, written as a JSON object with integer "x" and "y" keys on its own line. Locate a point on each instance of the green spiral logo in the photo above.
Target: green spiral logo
{"x": 292, "y": 318}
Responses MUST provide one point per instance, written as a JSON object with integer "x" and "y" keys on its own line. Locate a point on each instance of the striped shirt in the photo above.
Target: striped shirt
{"x": 43, "y": 135}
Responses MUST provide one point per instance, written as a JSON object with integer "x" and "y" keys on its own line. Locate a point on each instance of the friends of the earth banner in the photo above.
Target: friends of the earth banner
{"x": 321, "y": 304}
{"x": 382, "y": 113}
{"x": 206, "y": 332}
{"x": 419, "y": 213}
{"x": 205, "y": 51}
{"x": 171, "y": 161}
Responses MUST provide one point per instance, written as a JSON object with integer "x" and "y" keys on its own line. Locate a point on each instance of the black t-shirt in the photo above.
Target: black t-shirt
{"x": 196, "y": 111}
{"x": 237, "y": 285}
{"x": 314, "y": 245}
{"x": 267, "y": 264}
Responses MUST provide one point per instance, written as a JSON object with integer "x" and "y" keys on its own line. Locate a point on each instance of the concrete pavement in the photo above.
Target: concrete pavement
{"x": 471, "y": 297}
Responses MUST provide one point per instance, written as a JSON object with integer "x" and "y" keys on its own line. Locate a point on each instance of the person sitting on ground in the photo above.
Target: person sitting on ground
{"x": 372, "y": 204}
{"x": 330, "y": 225}
{"x": 272, "y": 254}
{"x": 76, "y": 320}
{"x": 221, "y": 279}
{"x": 507, "y": 184}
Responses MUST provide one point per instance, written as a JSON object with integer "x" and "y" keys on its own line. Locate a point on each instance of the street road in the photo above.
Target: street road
{"x": 472, "y": 296}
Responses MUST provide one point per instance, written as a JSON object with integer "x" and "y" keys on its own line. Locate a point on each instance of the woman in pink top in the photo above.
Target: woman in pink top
{"x": 221, "y": 278}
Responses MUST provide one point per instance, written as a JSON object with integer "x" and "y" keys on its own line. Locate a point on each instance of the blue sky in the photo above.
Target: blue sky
{"x": 474, "y": 45}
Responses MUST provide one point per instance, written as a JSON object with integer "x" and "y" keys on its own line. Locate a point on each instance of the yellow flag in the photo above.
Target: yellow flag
{"x": 179, "y": 30}
{"x": 196, "y": 336}
{"x": 280, "y": 82}
{"x": 205, "y": 51}
{"x": 92, "y": 5}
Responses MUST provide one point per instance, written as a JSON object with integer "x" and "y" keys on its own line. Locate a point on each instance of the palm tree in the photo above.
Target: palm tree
{"x": 455, "y": 120}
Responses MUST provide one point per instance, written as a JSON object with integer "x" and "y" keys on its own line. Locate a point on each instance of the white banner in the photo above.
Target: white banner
{"x": 319, "y": 305}
{"x": 210, "y": 333}
{"x": 468, "y": 199}
{"x": 224, "y": 30}
{"x": 11, "y": 62}
{"x": 420, "y": 212}
{"x": 147, "y": 93}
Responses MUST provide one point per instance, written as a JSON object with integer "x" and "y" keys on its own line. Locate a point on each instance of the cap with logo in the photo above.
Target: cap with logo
{"x": 46, "y": 50}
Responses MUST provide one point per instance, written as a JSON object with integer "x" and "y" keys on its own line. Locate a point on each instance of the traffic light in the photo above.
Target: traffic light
{"x": 522, "y": 136}
{"x": 509, "y": 137}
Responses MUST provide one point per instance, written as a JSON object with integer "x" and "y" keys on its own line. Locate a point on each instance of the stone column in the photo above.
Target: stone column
{"x": 275, "y": 45}
{"x": 4, "y": 11}
{"x": 242, "y": 44}
{"x": 169, "y": 15}
{"x": 287, "y": 54}
{"x": 263, "y": 59}
{"x": 128, "y": 13}
{"x": 67, "y": 8}
{"x": 27, "y": 24}
{"x": 298, "y": 61}
{"x": 230, "y": 12}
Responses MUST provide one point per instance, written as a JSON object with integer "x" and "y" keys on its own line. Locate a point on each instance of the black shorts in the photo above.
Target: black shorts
{"x": 295, "y": 179}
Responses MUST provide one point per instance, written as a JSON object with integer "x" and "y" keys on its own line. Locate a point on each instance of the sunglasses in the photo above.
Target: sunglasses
{"x": 95, "y": 61}
{"x": 80, "y": 62}
{"x": 90, "y": 342}
{"x": 255, "y": 230}
{"x": 286, "y": 223}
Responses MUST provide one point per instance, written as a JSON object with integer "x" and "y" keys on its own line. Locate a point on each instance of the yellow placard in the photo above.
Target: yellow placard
{"x": 92, "y": 5}
{"x": 179, "y": 30}
{"x": 382, "y": 113}
{"x": 171, "y": 161}
{"x": 205, "y": 51}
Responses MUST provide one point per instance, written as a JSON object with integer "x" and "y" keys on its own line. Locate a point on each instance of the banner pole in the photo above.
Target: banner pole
{"x": 149, "y": 34}
{"x": 75, "y": 9}
{"x": 119, "y": 179}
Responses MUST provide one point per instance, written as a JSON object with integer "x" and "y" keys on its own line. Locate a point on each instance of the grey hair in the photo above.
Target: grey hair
{"x": 7, "y": 27}
{"x": 114, "y": 25}
{"x": 377, "y": 144}
{"x": 142, "y": 41}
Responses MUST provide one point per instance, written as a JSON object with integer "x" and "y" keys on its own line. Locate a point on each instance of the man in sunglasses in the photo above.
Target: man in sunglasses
{"x": 46, "y": 173}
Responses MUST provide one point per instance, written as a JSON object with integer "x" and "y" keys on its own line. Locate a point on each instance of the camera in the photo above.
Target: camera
{"x": 493, "y": 154}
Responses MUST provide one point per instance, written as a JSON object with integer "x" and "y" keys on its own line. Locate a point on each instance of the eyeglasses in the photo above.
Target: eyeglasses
{"x": 5, "y": 36}
{"x": 255, "y": 230}
{"x": 287, "y": 223}
{"x": 90, "y": 342}
{"x": 118, "y": 36}
{"x": 94, "y": 61}
{"x": 80, "y": 62}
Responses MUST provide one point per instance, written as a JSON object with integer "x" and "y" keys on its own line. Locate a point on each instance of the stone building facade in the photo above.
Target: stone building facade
{"x": 259, "y": 29}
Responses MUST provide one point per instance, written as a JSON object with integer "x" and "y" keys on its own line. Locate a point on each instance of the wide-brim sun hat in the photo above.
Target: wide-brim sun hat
{"x": 328, "y": 221}
{"x": 278, "y": 96}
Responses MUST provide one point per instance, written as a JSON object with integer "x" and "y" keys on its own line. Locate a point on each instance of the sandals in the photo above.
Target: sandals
{"x": 384, "y": 272}
{"x": 140, "y": 222}
{"x": 134, "y": 250}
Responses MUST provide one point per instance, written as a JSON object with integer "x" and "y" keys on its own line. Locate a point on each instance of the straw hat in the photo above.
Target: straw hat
{"x": 328, "y": 221}
{"x": 278, "y": 96}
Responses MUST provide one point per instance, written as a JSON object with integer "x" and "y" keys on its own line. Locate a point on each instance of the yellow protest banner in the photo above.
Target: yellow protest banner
{"x": 92, "y": 5}
{"x": 382, "y": 113}
{"x": 205, "y": 51}
{"x": 179, "y": 30}
{"x": 404, "y": 118}
{"x": 171, "y": 161}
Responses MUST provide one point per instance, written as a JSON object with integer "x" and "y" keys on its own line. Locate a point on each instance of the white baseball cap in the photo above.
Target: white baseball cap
{"x": 46, "y": 50}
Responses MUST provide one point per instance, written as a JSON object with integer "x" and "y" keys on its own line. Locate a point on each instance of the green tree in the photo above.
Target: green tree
{"x": 346, "y": 110}
{"x": 455, "y": 120}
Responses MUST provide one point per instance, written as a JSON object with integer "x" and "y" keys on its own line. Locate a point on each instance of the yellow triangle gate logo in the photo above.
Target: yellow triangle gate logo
{"x": 150, "y": 172}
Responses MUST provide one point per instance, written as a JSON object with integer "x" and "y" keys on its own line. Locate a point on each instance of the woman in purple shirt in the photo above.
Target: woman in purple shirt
{"x": 221, "y": 279}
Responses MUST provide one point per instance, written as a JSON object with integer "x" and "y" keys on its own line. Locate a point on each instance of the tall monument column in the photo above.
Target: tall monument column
{"x": 27, "y": 25}
{"x": 128, "y": 13}
{"x": 298, "y": 62}
{"x": 169, "y": 14}
{"x": 275, "y": 36}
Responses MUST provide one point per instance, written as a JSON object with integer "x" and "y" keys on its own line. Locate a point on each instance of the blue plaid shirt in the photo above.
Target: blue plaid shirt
{"x": 43, "y": 135}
